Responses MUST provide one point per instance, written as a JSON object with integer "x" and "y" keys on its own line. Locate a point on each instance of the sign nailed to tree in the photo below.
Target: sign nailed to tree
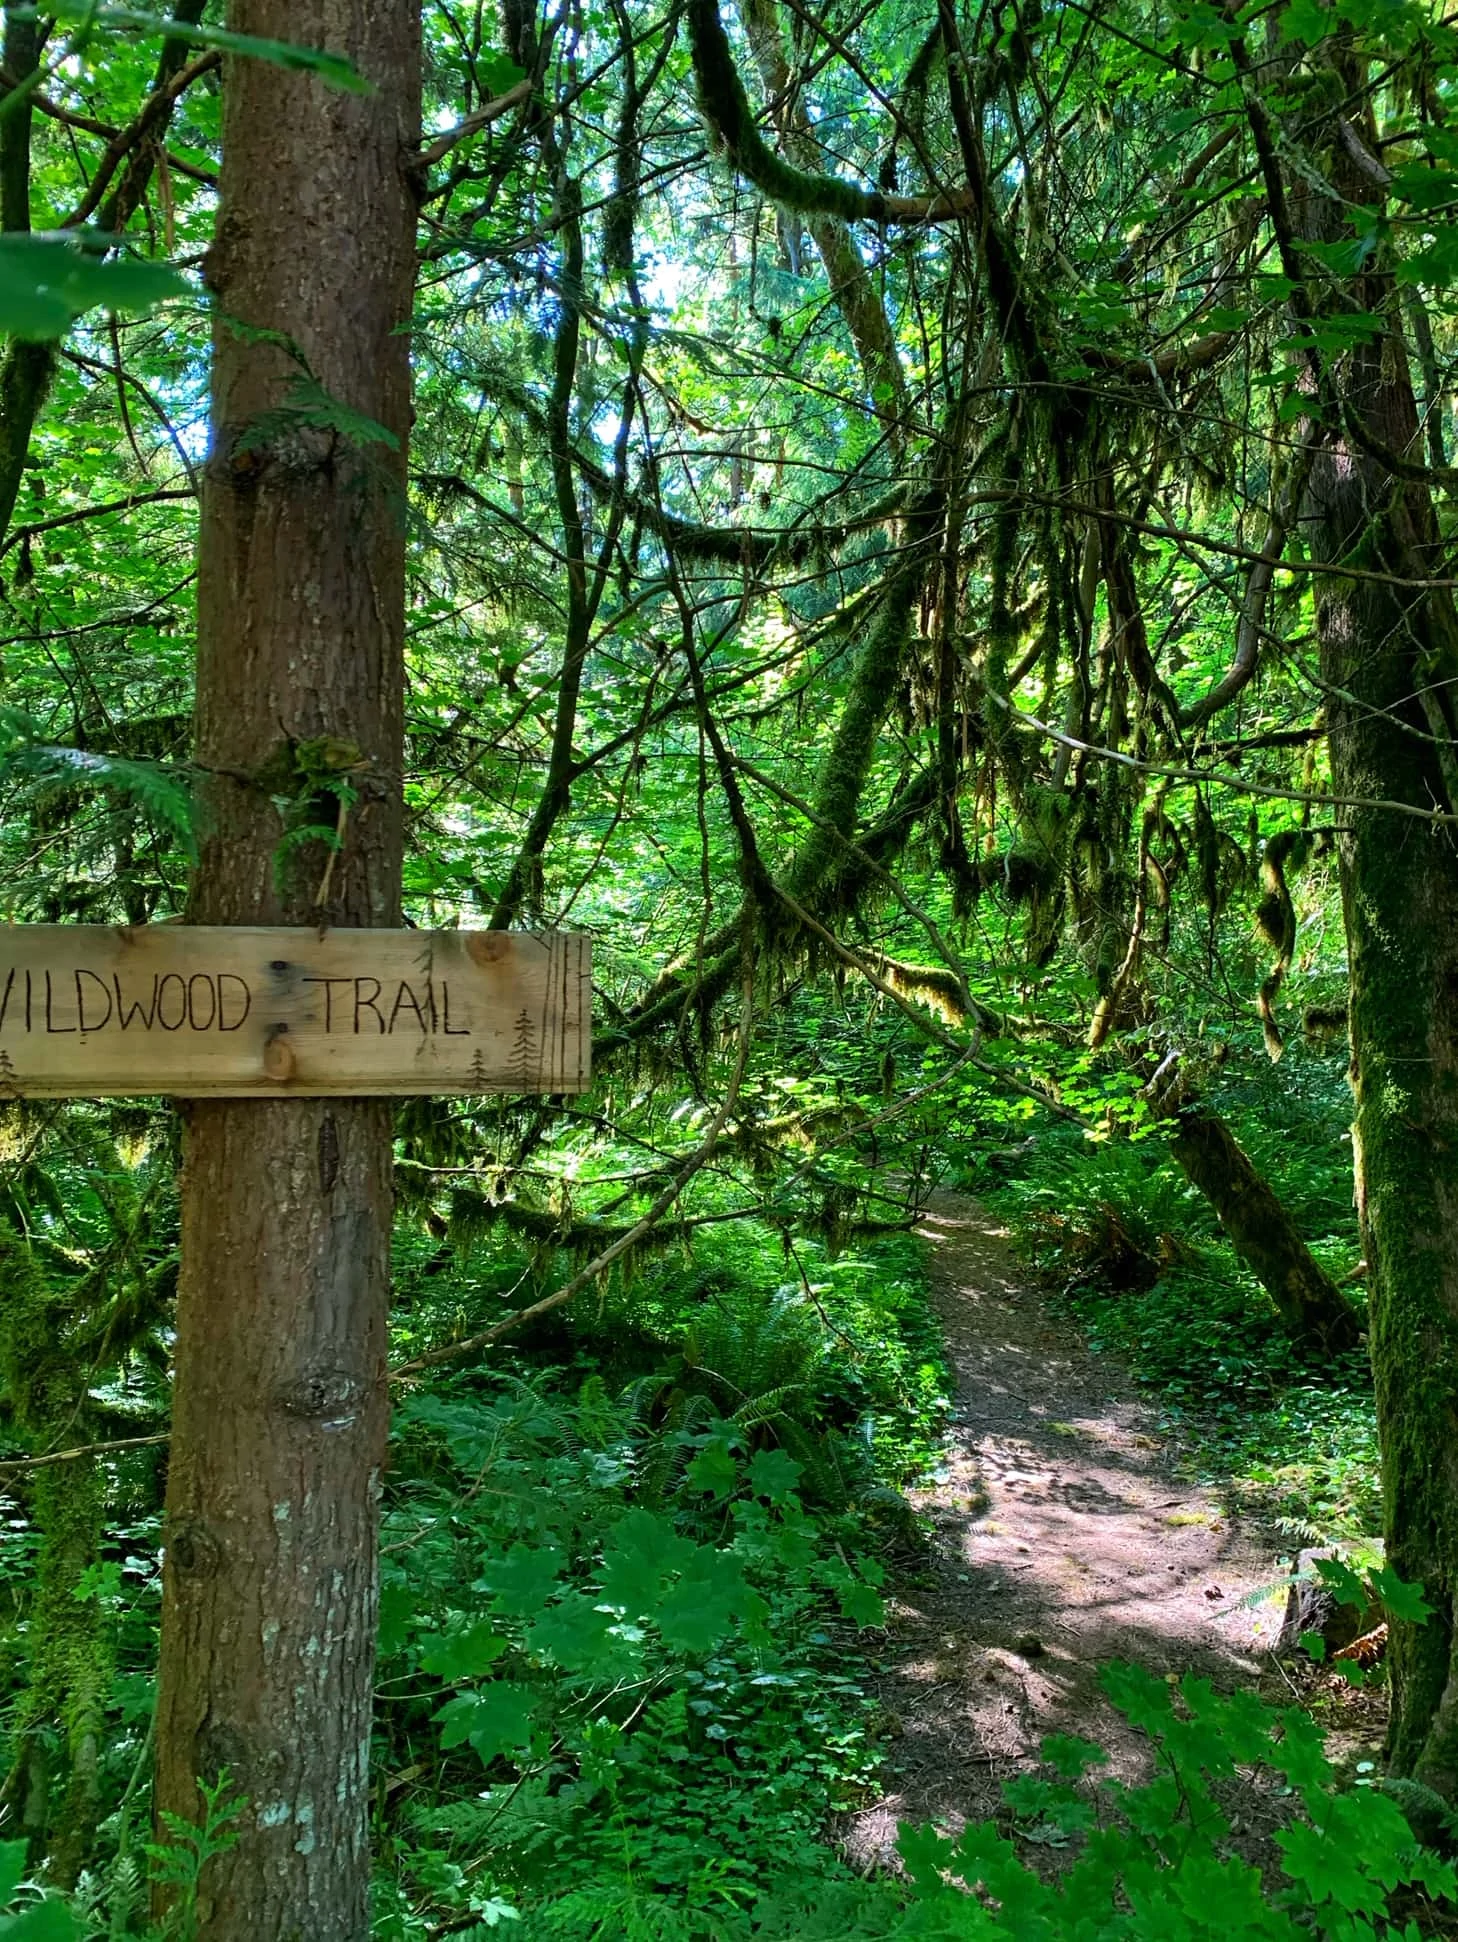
{"x": 193, "y": 1011}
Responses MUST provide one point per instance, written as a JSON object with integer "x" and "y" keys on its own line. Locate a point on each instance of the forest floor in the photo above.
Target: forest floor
{"x": 1062, "y": 1537}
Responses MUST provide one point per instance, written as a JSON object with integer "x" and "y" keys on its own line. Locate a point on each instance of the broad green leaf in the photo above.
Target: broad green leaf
{"x": 1227, "y": 1893}
{"x": 1345, "y": 1585}
{"x": 471, "y": 1430}
{"x": 573, "y": 1634}
{"x": 1436, "y": 262}
{"x": 1300, "y": 1753}
{"x": 714, "y": 1470}
{"x": 331, "y": 68}
{"x": 1424, "y": 187}
{"x": 861, "y": 1604}
{"x": 464, "y": 1654}
{"x": 493, "y": 1721}
{"x": 774, "y": 1474}
{"x": 641, "y": 1552}
{"x": 40, "y": 1921}
{"x": 1305, "y": 20}
{"x": 47, "y": 282}
{"x": 1143, "y": 1699}
{"x": 47, "y": 1921}
{"x": 523, "y": 1579}
{"x": 859, "y": 1601}
{"x": 12, "y": 1869}
{"x": 1327, "y": 1870}
{"x": 1068, "y": 1755}
{"x": 1400, "y": 1599}
{"x": 496, "y": 73}
{"x": 701, "y": 1608}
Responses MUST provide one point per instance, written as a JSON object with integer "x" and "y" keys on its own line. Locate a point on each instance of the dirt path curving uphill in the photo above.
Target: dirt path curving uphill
{"x": 1061, "y": 1539}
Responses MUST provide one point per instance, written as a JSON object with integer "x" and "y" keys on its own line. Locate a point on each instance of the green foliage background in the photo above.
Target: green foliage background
{"x": 635, "y": 1557}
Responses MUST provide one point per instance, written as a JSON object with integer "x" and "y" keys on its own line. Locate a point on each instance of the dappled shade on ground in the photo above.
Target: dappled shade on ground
{"x": 1061, "y": 1540}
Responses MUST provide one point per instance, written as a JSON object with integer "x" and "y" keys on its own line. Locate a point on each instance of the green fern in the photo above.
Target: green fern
{"x": 1431, "y": 1818}
{"x": 751, "y": 1347}
{"x": 41, "y": 770}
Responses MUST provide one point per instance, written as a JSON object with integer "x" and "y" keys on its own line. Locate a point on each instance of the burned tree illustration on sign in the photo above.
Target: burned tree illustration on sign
{"x": 526, "y": 1059}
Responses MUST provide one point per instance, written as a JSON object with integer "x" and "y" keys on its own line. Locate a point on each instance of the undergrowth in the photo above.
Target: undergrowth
{"x": 632, "y": 1579}
{"x": 633, "y": 1567}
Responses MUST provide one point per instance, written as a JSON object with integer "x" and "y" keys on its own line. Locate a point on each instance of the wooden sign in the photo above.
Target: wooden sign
{"x": 166, "y": 1008}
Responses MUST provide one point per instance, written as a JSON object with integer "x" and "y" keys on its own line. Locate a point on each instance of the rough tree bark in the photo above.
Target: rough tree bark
{"x": 25, "y": 369}
{"x": 1389, "y": 657}
{"x": 270, "y": 1581}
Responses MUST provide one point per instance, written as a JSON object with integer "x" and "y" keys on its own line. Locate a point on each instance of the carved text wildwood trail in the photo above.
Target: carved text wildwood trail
{"x": 87, "y": 1010}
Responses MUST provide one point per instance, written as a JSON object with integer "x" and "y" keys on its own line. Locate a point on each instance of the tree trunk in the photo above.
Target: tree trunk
{"x": 270, "y": 1580}
{"x": 1389, "y": 657}
{"x": 1262, "y": 1233}
{"x": 1400, "y": 896}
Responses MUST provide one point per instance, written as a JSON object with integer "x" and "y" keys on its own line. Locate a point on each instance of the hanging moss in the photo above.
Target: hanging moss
{"x": 1275, "y": 919}
{"x": 848, "y": 762}
{"x": 932, "y": 985}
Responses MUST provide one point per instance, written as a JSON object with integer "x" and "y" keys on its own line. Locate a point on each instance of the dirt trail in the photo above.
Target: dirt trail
{"x": 1061, "y": 1540}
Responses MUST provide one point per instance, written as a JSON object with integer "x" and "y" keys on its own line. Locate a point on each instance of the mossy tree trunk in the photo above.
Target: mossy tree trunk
{"x": 1263, "y": 1234}
{"x": 53, "y": 1788}
{"x": 1400, "y": 893}
{"x": 1389, "y": 662}
{"x": 279, "y": 1417}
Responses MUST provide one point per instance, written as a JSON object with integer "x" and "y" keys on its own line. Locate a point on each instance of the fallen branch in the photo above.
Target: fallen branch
{"x": 85, "y": 1450}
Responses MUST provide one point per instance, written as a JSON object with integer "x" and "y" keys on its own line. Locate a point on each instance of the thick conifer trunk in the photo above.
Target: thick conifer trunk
{"x": 1389, "y": 652}
{"x": 279, "y": 1421}
{"x": 1400, "y": 894}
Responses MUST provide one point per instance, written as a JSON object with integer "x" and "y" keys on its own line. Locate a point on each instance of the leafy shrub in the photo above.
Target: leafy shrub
{"x": 1150, "y": 1863}
{"x": 615, "y": 1625}
{"x": 1155, "y": 1860}
{"x": 26, "y": 1915}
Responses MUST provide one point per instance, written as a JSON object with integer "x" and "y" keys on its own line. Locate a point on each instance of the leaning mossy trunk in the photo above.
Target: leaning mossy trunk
{"x": 53, "y": 1788}
{"x": 1309, "y": 1302}
{"x": 1389, "y": 666}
